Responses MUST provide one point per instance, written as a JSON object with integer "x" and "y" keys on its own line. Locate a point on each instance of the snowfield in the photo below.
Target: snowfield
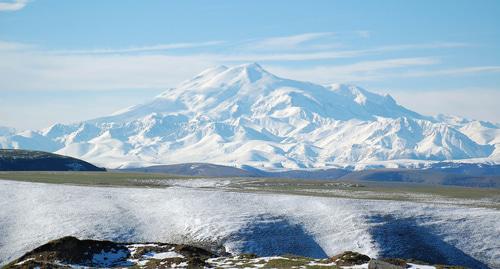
{"x": 265, "y": 224}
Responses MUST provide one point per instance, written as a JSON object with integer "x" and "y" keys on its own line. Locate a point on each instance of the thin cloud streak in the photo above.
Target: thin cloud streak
{"x": 330, "y": 55}
{"x": 376, "y": 71}
{"x": 27, "y": 67}
{"x": 364, "y": 34}
{"x": 35, "y": 71}
{"x": 101, "y": 72}
{"x": 434, "y": 45}
{"x": 117, "y": 71}
{"x": 13, "y": 5}
{"x": 454, "y": 71}
{"x": 360, "y": 71}
{"x": 6, "y": 46}
{"x": 286, "y": 42}
{"x": 160, "y": 47}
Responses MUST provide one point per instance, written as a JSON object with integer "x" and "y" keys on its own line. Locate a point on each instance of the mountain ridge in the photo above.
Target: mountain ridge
{"x": 244, "y": 115}
{"x": 27, "y": 160}
{"x": 451, "y": 174}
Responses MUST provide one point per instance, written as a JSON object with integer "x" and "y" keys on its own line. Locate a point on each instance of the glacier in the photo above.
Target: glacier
{"x": 245, "y": 115}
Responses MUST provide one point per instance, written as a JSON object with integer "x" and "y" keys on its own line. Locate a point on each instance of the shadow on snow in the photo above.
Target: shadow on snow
{"x": 270, "y": 236}
{"x": 405, "y": 238}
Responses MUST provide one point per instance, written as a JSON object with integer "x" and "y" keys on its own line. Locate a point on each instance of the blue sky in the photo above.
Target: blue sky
{"x": 66, "y": 61}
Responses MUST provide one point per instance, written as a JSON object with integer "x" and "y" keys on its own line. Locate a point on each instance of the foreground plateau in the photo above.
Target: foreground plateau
{"x": 268, "y": 218}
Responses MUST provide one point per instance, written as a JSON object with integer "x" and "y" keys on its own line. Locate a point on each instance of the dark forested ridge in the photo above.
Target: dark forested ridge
{"x": 27, "y": 160}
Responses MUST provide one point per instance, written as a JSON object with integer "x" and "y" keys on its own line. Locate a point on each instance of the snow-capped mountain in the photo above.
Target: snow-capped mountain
{"x": 245, "y": 115}
{"x": 6, "y": 130}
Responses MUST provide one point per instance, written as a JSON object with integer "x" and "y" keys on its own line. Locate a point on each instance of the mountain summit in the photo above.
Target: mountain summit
{"x": 244, "y": 115}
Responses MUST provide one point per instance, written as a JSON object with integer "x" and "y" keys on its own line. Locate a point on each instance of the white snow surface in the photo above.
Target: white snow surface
{"x": 267, "y": 224}
{"x": 245, "y": 115}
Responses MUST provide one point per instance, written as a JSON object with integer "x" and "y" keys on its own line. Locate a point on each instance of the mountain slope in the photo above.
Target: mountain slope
{"x": 245, "y": 115}
{"x": 195, "y": 169}
{"x": 443, "y": 173}
{"x": 6, "y": 130}
{"x": 27, "y": 160}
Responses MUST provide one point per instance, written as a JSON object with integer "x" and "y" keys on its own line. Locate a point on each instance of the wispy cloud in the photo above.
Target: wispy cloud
{"x": 246, "y": 56}
{"x": 379, "y": 70}
{"x": 271, "y": 49}
{"x": 306, "y": 56}
{"x": 6, "y": 46}
{"x": 360, "y": 71}
{"x": 13, "y": 5}
{"x": 364, "y": 34}
{"x": 25, "y": 66}
{"x": 453, "y": 71}
{"x": 41, "y": 71}
{"x": 269, "y": 44}
{"x": 104, "y": 72}
{"x": 159, "y": 47}
{"x": 285, "y": 42}
{"x": 416, "y": 46}
{"x": 476, "y": 103}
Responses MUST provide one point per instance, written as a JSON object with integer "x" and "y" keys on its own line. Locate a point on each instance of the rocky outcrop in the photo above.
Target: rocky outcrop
{"x": 350, "y": 258}
{"x": 71, "y": 252}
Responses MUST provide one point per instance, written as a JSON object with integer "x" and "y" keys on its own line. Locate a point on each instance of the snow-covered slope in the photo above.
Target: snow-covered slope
{"x": 265, "y": 224}
{"x": 481, "y": 132}
{"x": 246, "y": 115}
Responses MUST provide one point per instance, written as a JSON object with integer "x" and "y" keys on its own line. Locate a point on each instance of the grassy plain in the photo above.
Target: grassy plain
{"x": 321, "y": 188}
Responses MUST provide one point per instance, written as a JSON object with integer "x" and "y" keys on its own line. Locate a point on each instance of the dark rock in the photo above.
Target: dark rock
{"x": 248, "y": 256}
{"x": 350, "y": 258}
{"x": 140, "y": 251}
{"x": 378, "y": 264}
{"x": 69, "y": 250}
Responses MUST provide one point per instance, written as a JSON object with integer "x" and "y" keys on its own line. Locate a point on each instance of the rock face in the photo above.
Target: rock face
{"x": 245, "y": 115}
{"x": 70, "y": 252}
{"x": 26, "y": 160}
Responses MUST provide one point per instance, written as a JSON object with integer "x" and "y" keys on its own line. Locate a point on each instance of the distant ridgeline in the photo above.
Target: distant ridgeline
{"x": 27, "y": 160}
{"x": 443, "y": 173}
